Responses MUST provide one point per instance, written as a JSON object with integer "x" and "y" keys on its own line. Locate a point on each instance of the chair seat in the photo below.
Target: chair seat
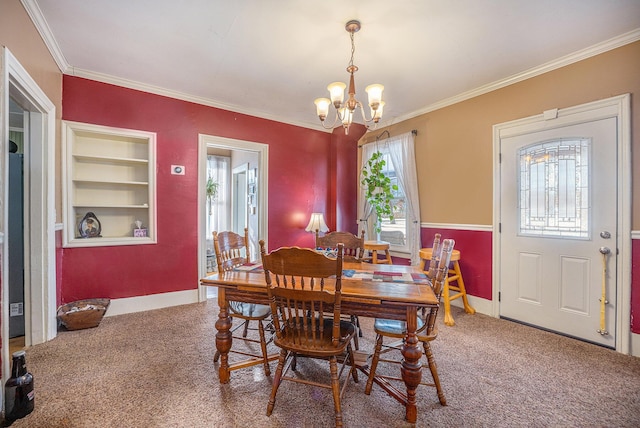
{"x": 322, "y": 345}
{"x": 250, "y": 311}
{"x": 393, "y": 328}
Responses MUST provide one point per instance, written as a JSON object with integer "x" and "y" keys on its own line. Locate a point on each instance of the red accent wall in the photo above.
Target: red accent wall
{"x": 475, "y": 257}
{"x": 345, "y": 180}
{"x": 300, "y": 176}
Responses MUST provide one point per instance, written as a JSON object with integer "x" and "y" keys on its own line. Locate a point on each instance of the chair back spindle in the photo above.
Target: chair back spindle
{"x": 435, "y": 253}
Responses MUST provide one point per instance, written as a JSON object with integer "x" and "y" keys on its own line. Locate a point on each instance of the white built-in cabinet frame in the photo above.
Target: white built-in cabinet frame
{"x": 110, "y": 172}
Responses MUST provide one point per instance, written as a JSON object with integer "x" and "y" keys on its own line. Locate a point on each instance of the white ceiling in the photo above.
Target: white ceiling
{"x": 272, "y": 58}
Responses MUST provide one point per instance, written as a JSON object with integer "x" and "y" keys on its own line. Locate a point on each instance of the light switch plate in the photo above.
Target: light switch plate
{"x": 177, "y": 169}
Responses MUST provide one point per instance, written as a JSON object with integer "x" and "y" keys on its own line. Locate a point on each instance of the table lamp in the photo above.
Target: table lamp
{"x": 316, "y": 222}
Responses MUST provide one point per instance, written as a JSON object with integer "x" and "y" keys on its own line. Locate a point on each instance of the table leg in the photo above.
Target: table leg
{"x": 411, "y": 365}
{"x": 223, "y": 336}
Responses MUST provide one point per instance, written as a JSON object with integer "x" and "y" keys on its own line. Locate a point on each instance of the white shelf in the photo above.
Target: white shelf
{"x": 109, "y": 172}
{"x": 113, "y": 182}
{"x": 110, "y": 159}
{"x": 142, "y": 207}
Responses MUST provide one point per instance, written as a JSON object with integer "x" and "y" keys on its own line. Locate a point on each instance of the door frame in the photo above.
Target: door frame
{"x": 238, "y": 199}
{"x": 620, "y": 108}
{"x": 262, "y": 150}
{"x": 40, "y": 260}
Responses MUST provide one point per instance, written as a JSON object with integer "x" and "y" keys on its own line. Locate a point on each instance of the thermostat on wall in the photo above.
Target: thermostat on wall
{"x": 177, "y": 169}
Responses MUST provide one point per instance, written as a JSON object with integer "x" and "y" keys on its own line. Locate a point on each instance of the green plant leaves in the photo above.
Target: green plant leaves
{"x": 378, "y": 187}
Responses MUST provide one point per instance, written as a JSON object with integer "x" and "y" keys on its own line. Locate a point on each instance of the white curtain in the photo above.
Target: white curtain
{"x": 364, "y": 209}
{"x": 402, "y": 152}
{"x": 218, "y": 219}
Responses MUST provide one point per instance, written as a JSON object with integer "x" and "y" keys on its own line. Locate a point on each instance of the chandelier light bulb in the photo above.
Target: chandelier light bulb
{"x": 322, "y": 107}
{"x": 336, "y": 90}
{"x": 377, "y": 113}
{"x": 375, "y": 95}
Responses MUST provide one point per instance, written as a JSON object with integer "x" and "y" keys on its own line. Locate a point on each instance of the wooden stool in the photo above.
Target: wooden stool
{"x": 455, "y": 275}
{"x": 374, "y": 247}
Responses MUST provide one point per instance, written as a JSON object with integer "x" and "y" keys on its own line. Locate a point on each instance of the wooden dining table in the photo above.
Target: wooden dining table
{"x": 377, "y": 291}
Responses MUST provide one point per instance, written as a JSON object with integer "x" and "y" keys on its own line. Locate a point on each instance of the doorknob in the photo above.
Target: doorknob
{"x": 605, "y": 234}
{"x": 605, "y": 250}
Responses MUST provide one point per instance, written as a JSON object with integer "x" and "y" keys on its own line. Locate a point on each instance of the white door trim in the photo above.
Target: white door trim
{"x": 619, "y": 107}
{"x": 262, "y": 149}
{"x": 40, "y": 293}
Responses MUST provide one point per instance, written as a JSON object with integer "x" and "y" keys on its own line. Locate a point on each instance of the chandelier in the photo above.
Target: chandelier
{"x": 345, "y": 110}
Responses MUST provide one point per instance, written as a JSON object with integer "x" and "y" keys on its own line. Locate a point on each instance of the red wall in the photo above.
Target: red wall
{"x": 300, "y": 173}
{"x": 475, "y": 257}
{"x": 345, "y": 180}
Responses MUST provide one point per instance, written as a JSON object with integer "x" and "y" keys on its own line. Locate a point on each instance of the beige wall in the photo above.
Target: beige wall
{"x": 18, "y": 33}
{"x": 454, "y": 145}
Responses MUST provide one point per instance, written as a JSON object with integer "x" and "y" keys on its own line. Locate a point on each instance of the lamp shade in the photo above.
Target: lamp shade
{"x": 316, "y": 222}
{"x": 375, "y": 94}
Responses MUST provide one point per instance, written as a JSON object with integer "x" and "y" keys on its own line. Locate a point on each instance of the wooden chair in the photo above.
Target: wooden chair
{"x": 307, "y": 317}
{"x": 353, "y": 245}
{"x": 232, "y": 250}
{"x": 353, "y": 252}
{"x": 426, "y": 331}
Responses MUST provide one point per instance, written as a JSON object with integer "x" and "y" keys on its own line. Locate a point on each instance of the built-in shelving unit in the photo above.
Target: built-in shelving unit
{"x": 109, "y": 172}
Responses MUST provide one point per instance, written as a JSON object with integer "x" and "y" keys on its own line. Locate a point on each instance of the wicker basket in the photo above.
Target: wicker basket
{"x": 83, "y": 313}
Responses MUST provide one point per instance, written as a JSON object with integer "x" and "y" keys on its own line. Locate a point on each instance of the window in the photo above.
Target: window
{"x": 395, "y": 231}
{"x": 554, "y": 188}
{"x": 403, "y": 232}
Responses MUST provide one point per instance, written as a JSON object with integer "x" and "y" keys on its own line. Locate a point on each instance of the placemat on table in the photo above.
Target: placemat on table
{"x": 417, "y": 278}
{"x": 250, "y": 267}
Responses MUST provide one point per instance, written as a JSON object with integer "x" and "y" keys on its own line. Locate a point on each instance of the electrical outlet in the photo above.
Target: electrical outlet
{"x": 15, "y": 309}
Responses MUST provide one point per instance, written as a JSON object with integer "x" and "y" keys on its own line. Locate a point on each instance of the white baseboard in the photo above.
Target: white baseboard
{"x": 482, "y": 306}
{"x": 153, "y": 301}
{"x": 634, "y": 348}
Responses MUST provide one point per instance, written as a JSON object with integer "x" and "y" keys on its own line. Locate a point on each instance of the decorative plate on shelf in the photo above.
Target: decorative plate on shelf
{"x": 89, "y": 226}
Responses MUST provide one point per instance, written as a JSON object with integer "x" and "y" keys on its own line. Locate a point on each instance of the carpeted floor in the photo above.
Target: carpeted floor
{"x": 155, "y": 369}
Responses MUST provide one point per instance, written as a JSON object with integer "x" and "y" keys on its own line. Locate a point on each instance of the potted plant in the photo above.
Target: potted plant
{"x": 378, "y": 189}
{"x": 212, "y": 192}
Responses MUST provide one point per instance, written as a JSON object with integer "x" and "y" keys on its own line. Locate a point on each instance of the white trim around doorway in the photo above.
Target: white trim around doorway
{"x": 205, "y": 141}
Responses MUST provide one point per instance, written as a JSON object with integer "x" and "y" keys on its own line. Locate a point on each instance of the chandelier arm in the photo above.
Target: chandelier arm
{"x": 363, "y": 113}
{"x": 335, "y": 121}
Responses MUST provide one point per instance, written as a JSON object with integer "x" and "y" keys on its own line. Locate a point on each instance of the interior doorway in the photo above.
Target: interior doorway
{"x": 16, "y": 219}
{"x": 38, "y": 113}
{"x": 239, "y": 192}
{"x": 246, "y": 201}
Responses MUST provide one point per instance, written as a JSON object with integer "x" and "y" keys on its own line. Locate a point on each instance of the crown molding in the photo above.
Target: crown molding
{"x": 144, "y": 87}
{"x": 34, "y": 12}
{"x": 613, "y": 43}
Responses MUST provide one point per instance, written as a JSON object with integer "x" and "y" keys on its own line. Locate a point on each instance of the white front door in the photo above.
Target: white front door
{"x": 559, "y": 232}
